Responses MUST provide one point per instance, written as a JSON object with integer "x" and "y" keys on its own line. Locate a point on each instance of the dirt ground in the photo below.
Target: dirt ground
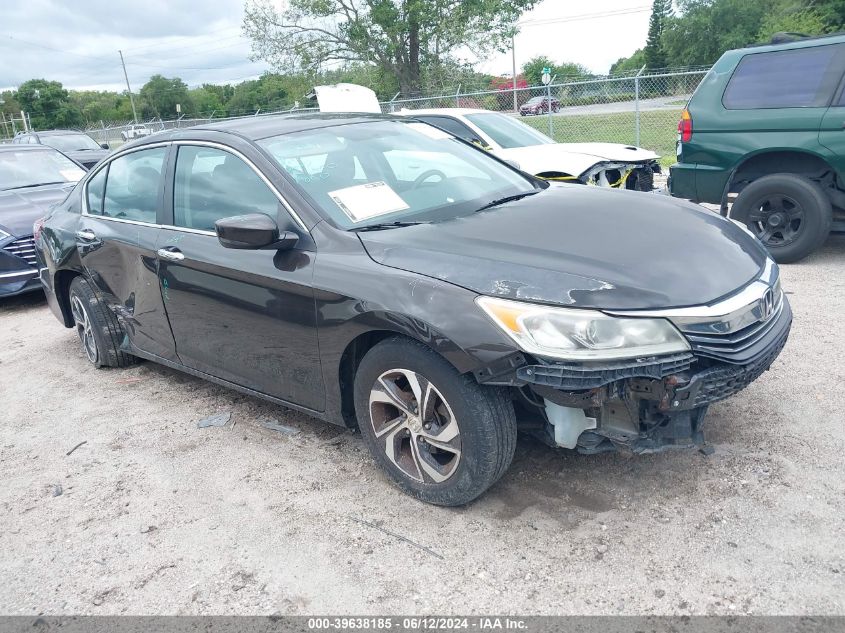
{"x": 153, "y": 515}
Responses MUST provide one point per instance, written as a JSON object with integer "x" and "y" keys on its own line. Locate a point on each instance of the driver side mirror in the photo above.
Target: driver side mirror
{"x": 254, "y": 231}
{"x": 105, "y": 145}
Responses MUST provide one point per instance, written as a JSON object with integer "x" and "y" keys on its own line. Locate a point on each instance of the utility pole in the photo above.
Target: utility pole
{"x": 513, "y": 52}
{"x": 131, "y": 100}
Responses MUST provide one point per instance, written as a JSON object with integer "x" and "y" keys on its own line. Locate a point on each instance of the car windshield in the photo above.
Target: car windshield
{"x": 30, "y": 168}
{"x": 535, "y": 100}
{"x": 70, "y": 142}
{"x": 378, "y": 172}
{"x": 507, "y": 131}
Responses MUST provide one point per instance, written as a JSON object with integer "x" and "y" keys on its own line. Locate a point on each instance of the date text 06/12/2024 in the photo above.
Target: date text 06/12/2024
{"x": 417, "y": 623}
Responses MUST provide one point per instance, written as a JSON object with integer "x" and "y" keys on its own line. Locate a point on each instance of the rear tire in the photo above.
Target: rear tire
{"x": 438, "y": 435}
{"x": 790, "y": 214}
{"x": 98, "y": 328}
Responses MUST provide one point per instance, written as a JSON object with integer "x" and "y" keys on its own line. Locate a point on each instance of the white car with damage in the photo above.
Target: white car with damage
{"x": 604, "y": 164}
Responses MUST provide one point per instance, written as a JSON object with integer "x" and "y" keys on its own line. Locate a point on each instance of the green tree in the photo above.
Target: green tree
{"x": 269, "y": 92}
{"x": 629, "y": 65}
{"x": 398, "y": 37}
{"x": 206, "y": 102}
{"x": 654, "y": 54}
{"x": 707, "y": 28}
{"x": 48, "y": 104}
{"x": 532, "y": 70}
{"x": 160, "y": 96}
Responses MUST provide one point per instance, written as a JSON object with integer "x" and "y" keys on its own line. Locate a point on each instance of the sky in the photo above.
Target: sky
{"x": 77, "y": 43}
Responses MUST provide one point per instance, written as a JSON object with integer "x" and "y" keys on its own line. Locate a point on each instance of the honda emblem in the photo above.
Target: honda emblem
{"x": 767, "y": 305}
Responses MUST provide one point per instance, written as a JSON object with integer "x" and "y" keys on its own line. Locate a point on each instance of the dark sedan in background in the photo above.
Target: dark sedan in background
{"x": 32, "y": 178}
{"x": 76, "y": 145}
{"x": 378, "y": 272}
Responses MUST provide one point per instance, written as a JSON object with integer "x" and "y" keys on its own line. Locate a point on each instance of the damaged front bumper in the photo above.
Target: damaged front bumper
{"x": 640, "y": 405}
{"x": 635, "y": 176}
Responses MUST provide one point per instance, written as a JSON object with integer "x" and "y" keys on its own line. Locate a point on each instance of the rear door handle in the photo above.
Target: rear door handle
{"x": 170, "y": 255}
{"x": 87, "y": 235}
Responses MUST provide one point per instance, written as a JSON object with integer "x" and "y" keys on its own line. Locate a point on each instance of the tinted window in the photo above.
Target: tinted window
{"x": 96, "y": 189}
{"x": 800, "y": 78}
{"x": 452, "y": 126}
{"x": 132, "y": 185}
{"x": 213, "y": 184}
{"x": 70, "y": 142}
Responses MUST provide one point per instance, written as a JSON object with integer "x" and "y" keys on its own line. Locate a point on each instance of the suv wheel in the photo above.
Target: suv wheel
{"x": 97, "y": 326}
{"x": 790, "y": 214}
{"x": 440, "y": 436}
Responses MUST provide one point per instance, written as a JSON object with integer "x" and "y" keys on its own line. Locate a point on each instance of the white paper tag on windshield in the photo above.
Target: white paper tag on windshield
{"x": 72, "y": 175}
{"x": 363, "y": 202}
{"x": 430, "y": 131}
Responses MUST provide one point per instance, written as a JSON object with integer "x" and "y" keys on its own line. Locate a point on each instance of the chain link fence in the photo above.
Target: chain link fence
{"x": 118, "y": 134}
{"x": 640, "y": 109}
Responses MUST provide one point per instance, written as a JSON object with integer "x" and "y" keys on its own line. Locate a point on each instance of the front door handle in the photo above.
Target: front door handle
{"x": 170, "y": 255}
{"x": 86, "y": 235}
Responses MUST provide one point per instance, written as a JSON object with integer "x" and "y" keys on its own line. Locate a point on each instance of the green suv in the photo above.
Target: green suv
{"x": 766, "y": 130}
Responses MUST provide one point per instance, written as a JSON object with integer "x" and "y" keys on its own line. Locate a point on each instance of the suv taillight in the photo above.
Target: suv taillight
{"x": 685, "y": 127}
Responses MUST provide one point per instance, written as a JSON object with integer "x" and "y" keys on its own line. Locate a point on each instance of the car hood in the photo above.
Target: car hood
{"x": 581, "y": 246}
{"x": 573, "y": 158}
{"x": 19, "y": 208}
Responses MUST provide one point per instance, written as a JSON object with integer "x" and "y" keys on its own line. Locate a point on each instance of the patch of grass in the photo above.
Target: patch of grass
{"x": 658, "y": 129}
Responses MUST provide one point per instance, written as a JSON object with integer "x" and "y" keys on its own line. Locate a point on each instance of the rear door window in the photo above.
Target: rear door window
{"x": 797, "y": 78}
{"x": 133, "y": 185}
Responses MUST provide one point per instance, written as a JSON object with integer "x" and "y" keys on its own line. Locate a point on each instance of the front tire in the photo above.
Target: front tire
{"x": 788, "y": 213}
{"x": 97, "y": 327}
{"x": 439, "y": 435}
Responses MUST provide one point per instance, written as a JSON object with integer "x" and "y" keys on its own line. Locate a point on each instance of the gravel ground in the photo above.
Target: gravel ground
{"x": 155, "y": 516}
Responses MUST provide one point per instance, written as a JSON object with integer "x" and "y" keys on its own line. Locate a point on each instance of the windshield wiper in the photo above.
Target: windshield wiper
{"x": 39, "y": 184}
{"x": 517, "y": 196}
{"x": 386, "y": 225}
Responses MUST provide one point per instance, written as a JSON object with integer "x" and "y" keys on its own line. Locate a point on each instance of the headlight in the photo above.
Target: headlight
{"x": 3, "y": 235}
{"x": 573, "y": 334}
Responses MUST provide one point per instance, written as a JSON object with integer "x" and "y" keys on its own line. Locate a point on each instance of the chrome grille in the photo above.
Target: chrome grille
{"x": 735, "y": 346}
{"x": 736, "y": 330}
{"x": 23, "y": 248}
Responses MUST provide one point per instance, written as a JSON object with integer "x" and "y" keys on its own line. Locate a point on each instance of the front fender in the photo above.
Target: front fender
{"x": 355, "y": 296}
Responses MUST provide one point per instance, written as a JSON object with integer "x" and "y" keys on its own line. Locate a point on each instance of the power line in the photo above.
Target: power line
{"x": 50, "y": 48}
{"x": 194, "y": 49}
{"x": 585, "y": 16}
{"x": 187, "y": 37}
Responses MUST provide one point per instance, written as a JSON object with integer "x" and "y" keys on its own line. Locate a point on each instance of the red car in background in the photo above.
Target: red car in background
{"x": 539, "y": 105}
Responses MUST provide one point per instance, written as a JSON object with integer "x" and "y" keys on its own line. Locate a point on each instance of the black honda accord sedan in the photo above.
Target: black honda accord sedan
{"x": 379, "y": 273}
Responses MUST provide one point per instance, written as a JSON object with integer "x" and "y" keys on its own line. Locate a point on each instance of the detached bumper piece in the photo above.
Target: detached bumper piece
{"x": 649, "y": 405}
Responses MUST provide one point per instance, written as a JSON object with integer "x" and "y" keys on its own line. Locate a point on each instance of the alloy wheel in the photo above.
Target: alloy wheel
{"x": 83, "y": 328}
{"x": 415, "y": 426}
{"x": 776, "y": 220}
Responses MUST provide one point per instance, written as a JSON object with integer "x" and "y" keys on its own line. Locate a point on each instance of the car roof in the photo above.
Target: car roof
{"x": 57, "y": 132}
{"x": 255, "y": 128}
{"x": 444, "y": 111}
{"x": 25, "y": 148}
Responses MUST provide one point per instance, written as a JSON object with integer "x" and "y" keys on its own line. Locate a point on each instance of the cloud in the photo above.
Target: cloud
{"x": 77, "y": 43}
